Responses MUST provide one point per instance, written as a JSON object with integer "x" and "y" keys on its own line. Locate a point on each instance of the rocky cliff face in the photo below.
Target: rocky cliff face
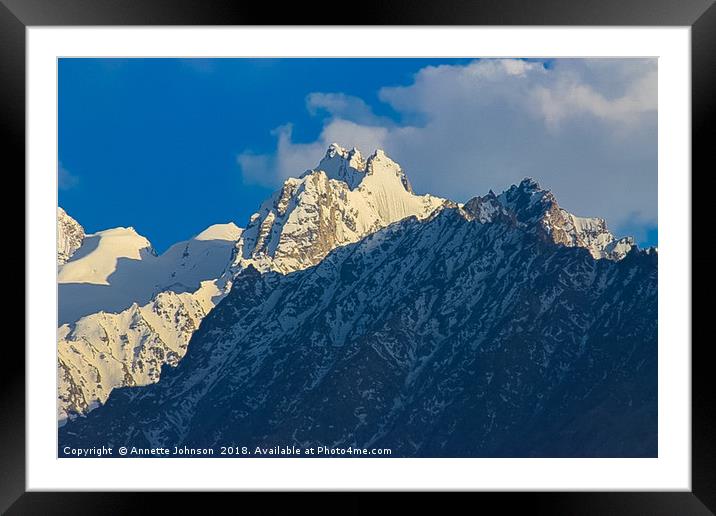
{"x": 538, "y": 209}
{"x": 501, "y": 328}
{"x": 69, "y": 236}
{"x": 107, "y": 350}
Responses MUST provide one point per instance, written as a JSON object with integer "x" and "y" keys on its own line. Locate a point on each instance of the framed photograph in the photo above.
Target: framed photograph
{"x": 409, "y": 249}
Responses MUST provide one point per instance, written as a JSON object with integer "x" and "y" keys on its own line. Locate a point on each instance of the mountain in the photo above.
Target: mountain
{"x": 115, "y": 268}
{"x": 124, "y": 311}
{"x": 69, "y": 236}
{"x": 103, "y": 351}
{"x": 537, "y": 208}
{"x": 339, "y": 202}
{"x": 484, "y": 330}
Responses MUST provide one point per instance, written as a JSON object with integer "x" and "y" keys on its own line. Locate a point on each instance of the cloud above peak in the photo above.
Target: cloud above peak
{"x": 65, "y": 180}
{"x": 342, "y": 106}
{"x": 585, "y": 128}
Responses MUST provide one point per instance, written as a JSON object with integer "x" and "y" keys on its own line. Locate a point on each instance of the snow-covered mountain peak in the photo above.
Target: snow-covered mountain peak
{"x": 530, "y": 184}
{"x": 484, "y": 209}
{"x": 335, "y": 149}
{"x": 342, "y": 165}
{"x": 537, "y": 208}
{"x": 228, "y": 231}
{"x": 100, "y": 253}
{"x": 528, "y": 200}
{"x": 379, "y": 161}
{"x": 383, "y": 168}
{"x": 350, "y": 167}
{"x": 340, "y": 201}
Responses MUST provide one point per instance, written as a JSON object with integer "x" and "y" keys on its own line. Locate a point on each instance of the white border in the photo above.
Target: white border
{"x": 670, "y": 471}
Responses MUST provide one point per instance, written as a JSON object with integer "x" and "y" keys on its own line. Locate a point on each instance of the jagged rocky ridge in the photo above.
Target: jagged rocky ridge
{"x": 491, "y": 329}
{"x": 125, "y": 312}
{"x": 537, "y": 208}
{"x": 69, "y": 236}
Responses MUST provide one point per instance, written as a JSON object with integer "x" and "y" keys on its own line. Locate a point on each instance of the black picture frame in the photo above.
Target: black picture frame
{"x": 700, "y": 15}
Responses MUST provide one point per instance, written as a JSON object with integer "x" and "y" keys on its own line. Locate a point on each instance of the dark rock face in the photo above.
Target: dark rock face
{"x": 447, "y": 337}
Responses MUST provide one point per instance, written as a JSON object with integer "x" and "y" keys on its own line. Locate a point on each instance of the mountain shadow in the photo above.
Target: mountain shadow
{"x": 138, "y": 280}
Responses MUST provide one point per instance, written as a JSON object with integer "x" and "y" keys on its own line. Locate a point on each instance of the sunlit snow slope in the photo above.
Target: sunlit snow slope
{"x": 124, "y": 311}
{"x": 114, "y": 268}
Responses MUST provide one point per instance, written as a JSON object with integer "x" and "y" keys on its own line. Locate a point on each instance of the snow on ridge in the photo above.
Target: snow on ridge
{"x": 341, "y": 164}
{"x": 97, "y": 258}
{"x": 228, "y": 231}
{"x": 350, "y": 167}
{"x": 115, "y": 268}
{"x": 537, "y": 208}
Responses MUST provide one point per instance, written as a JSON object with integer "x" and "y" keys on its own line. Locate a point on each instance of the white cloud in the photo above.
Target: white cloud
{"x": 292, "y": 159}
{"x": 585, "y": 128}
{"x": 339, "y": 105}
{"x": 568, "y": 95}
{"x": 65, "y": 180}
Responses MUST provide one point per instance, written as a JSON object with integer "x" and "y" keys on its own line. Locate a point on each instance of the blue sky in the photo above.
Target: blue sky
{"x": 170, "y": 146}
